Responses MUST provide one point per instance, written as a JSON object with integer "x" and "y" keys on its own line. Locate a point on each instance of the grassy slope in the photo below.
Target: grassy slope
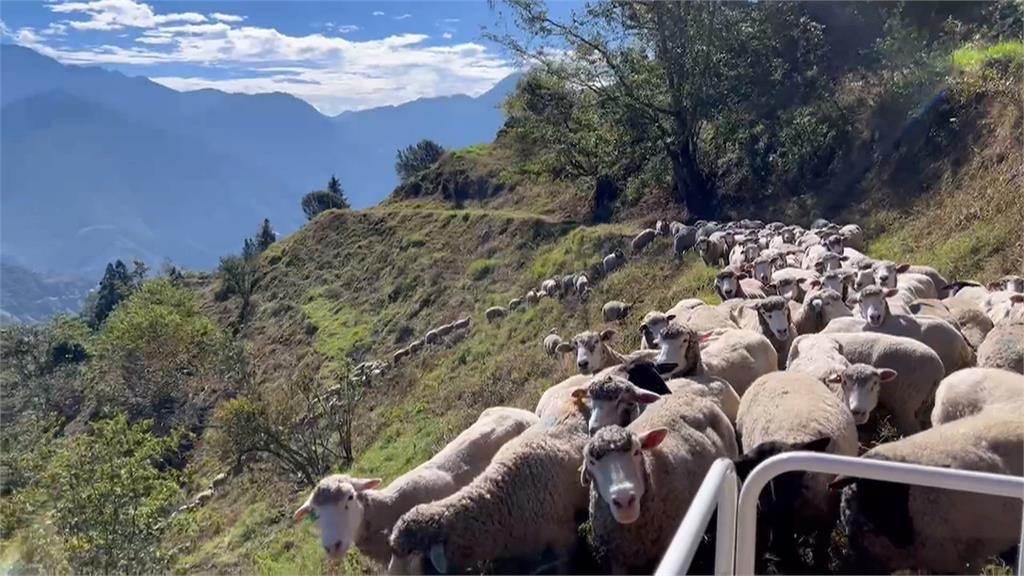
{"x": 364, "y": 284}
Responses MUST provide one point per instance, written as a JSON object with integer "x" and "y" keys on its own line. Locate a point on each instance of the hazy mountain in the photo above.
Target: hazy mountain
{"x": 27, "y": 296}
{"x": 98, "y": 165}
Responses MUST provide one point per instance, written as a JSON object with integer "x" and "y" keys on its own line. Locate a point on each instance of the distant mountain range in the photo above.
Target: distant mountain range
{"x": 28, "y": 297}
{"x": 97, "y": 165}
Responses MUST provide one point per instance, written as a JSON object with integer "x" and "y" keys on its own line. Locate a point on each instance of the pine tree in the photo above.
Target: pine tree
{"x": 266, "y": 236}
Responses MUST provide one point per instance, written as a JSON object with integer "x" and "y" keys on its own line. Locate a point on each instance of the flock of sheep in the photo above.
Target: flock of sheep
{"x": 811, "y": 337}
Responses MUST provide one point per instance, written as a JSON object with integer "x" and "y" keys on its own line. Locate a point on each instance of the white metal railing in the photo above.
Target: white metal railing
{"x": 718, "y": 490}
{"x": 719, "y": 486}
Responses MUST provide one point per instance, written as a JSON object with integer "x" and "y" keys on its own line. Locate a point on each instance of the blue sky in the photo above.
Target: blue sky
{"x": 336, "y": 55}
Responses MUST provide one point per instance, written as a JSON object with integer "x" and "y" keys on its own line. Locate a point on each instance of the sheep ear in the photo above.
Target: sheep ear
{"x": 581, "y": 393}
{"x": 304, "y": 510}
{"x": 368, "y": 484}
{"x": 815, "y": 284}
{"x": 565, "y": 347}
{"x": 742, "y": 275}
{"x": 647, "y": 397}
{"x": 902, "y": 268}
{"x": 889, "y": 293}
{"x": 819, "y": 445}
{"x": 886, "y": 375}
{"x": 437, "y": 558}
{"x": 652, "y": 438}
{"x": 1017, "y": 298}
{"x": 670, "y": 317}
{"x": 994, "y": 286}
{"x": 607, "y": 334}
{"x": 836, "y": 378}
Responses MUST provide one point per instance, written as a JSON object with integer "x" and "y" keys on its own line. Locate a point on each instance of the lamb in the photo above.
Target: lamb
{"x": 939, "y": 335}
{"x": 495, "y": 313}
{"x": 551, "y": 342}
{"x": 615, "y": 310}
{"x": 785, "y": 411}
{"x": 771, "y": 319}
{"x": 818, "y": 309}
{"x": 514, "y": 304}
{"x": 731, "y": 284}
{"x": 737, "y": 356}
{"x": 918, "y": 369}
{"x": 893, "y": 527}
{"x": 1004, "y": 348}
{"x": 713, "y": 252}
{"x": 973, "y": 390}
{"x": 613, "y": 261}
{"x": 350, "y": 511}
{"x": 643, "y": 477}
{"x": 524, "y": 503}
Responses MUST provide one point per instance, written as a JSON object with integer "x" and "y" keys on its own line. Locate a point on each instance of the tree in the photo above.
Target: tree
{"x": 111, "y": 494}
{"x": 115, "y": 286}
{"x": 416, "y": 158}
{"x": 266, "y": 236}
{"x": 319, "y": 200}
{"x": 238, "y": 278}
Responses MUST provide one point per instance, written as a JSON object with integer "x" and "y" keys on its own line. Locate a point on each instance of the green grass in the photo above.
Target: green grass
{"x": 973, "y": 57}
{"x": 472, "y": 151}
{"x": 957, "y": 253}
{"x": 480, "y": 269}
{"x": 341, "y": 331}
{"x": 577, "y": 251}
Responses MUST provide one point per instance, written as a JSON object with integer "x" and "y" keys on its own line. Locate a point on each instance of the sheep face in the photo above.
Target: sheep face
{"x": 750, "y": 251}
{"x": 885, "y": 273}
{"x": 788, "y": 288}
{"x": 338, "y": 510}
{"x": 829, "y": 262}
{"x": 828, "y": 304}
{"x": 679, "y": 350}
{"x": 860, "y": 384}
{"x": 835, "y": 244}
{"x": 653, "y": 325}
{"x": 863, "y": 278}
{"x": 613, "y": 461}
{"x": 590, "y": 350}
{"x": 874, "y": 308}
{"x": 1012, "y": 283}
{"x": 762, "y": 270}
{"x": 728, "y": 284}
{"x": 774, "y": 313}
{"x": 835, "y": 280}
{"x": 613, "y": 401}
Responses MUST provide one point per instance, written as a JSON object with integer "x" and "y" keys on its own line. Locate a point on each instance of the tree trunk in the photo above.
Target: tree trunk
{"x": 692, "y": 188}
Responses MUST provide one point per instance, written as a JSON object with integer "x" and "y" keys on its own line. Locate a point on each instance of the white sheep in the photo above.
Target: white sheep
{"x": 1004, "y": 306}
{"x": 919, "y": 369}
{"x": 613, "y": 261}
{"x": 551, "y": 342}
{"x": 713, "y": 250}
{"x": 701, "y": 317}
{"x": 897, "y": 527}
{"x": 938, "y": 334}
{"x": 593, "y": 353}
{"x": 661, "y": 227}
{"x": 737, "y": 356}
{"x": 524, "y": 503}
{"x": 582, "y": 284}
{"x": 743, "y": 254}
{"x": 860, "y": 386}
{"x": 495, "y": 313}
{"x": 1004, "y": 348}
{"x": 462, "y": 323}
{"x": 615, "y": 310}
{"x": 350, "y": 512}
{"x": 770, "y": 317}
{"x": 532, "y": 298}
{"x": 732, "y": 284}
{"x": 853, "y": 236}
{"x": 514, "y": 304}
{"x": 1008, "y": 283}
{"x": 818, "y": 309}
{"x": 785, "y": 411}
{"x": 643, "y": 477}
{"x": 966, "y": 317}
{"x": 972, "y": 390}
{"x": 793, "y": 283}
{"x": 549, "y": 287}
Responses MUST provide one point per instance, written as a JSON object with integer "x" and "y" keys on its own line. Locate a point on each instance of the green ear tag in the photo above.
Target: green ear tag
{"x": 312, "y": 517}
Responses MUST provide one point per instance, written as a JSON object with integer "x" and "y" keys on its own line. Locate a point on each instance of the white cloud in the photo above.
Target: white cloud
{"x": 55, "y": 29}
{"x": 450, "y": 20}
{"x": 447, "y": 35}
{"x": 403, "y": 16}
{"x": 377, "y": 13}
{"x": 346, "y": 28}
{"x": 331, "y": 72}
{"x": 118, "y": 14}
{"x": 221, "y": 17}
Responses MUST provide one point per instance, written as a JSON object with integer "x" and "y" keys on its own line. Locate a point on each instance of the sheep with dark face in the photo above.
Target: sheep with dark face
{"x": 643, "y": 477}
{"x": 895, "y": 527}
{"x": 818, "y": 309}
{"x": 737, "y": 356}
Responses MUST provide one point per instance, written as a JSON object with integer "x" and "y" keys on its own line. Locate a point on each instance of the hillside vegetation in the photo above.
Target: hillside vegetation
{"x": 260, "y": 391}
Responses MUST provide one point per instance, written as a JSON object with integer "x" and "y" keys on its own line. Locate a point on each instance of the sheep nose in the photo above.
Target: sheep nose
{"x": 583, "y": 364}
{"x": 624, "y": 500}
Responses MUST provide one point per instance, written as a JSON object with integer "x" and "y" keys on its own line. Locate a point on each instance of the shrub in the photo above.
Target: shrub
{"x": 316, "y": 202}
{"x": 416, "y": 158}
{"x": 480, "y": 269}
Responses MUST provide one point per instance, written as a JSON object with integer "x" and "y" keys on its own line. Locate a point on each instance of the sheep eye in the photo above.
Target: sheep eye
{"x": 351, "y": 496}
{"x": 636, "y": 452}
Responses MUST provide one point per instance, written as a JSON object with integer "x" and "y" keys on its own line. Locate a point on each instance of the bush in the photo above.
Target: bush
{"x": 480, "y": 269}
{"x": 417, "y": 158}
{"x": 316, "y": 202}
{"x": 110, "y": 494}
